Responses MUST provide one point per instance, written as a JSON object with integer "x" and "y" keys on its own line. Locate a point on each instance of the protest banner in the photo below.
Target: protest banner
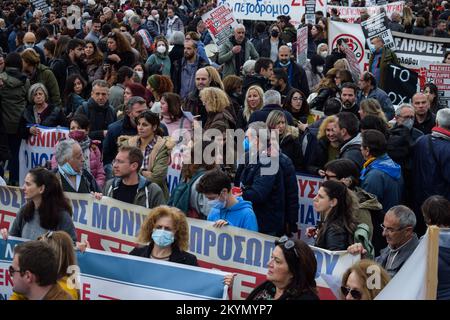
{"x": 377, "y": 26}
{"x": 220, "y": 23}
{"x": 128, "y": 277}
{"x": 111, "y": 225}
{"x": 38, "y": 149}
{"x": 269, "y": 10}
{"x": 353, "y": 34}
{"x": 41, "y": 5}
{"x": 405, "y": 87}
{"x": 439, "y": 74}
{"x": 310, "y": 10}
{"x": 302, "y": 45}
{"x": 351, "y": 14}
{"x": 308, "y": 187}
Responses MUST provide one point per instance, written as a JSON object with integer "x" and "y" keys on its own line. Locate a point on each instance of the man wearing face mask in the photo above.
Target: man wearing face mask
{"x": 270, "y": 46}
{"x": 70, "y": 171}
{"x": 379, "y": 60}
{"x": 226, "y": 209}
{"x": 314, "y": 70}
{"x": 29, "y": 41}
{"x": 296, "y": 74}
{"x": 154, "y": 24}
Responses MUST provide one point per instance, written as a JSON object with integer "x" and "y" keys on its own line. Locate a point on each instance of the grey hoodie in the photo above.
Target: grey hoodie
{"x": 351, "y": 150}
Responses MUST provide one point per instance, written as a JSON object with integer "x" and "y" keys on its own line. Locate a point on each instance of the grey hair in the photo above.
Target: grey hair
{"x": 177, "y": 38}
{"x": 259, "y": 128}
{"x": 133, "y": 100}
{"x": 398, "y": 111}
{"x": 405, "y": 215}
{"x": 64, "y": 150}
{"x": 249, "y": 67}
{"x": 88, "y": 24}
{"x": 239, "y": 27}
{"x": 443, "y": 118}
{"x": 135, "y": 19}
{"x": 100, "y": 83}
{"x": 272, "y": 97}
{"x": 34, "y": 88}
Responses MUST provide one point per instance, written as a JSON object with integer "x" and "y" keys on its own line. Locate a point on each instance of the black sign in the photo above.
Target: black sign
{"x": 400, "y": 84}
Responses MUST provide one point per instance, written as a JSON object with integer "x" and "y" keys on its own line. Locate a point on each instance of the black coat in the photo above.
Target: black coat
{"x": 324, "y": 94}
{"x": 297, "y": 76}
{"x": 266, "y": 46}
{"x": 177, "y": 256}
{"x": 51, "y": 117}
{"x": 332, "y": 58}
{"x": 292, "y": 148}
{"x": 334, "y": 237}
{"x": 175, "y": 72}
{"x": 428, "y": 124}
{"x": 100, "y": 117}
{"x": 266, "y": 291}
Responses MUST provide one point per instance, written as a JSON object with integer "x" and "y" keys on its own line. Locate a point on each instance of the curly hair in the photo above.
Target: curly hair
{"x": 181, "y": 227}
{"x": 214, "y": 76}
{"x": 123, "y": 45}
{"x": 214, "y": 99}
{"x": 323, "y": 126}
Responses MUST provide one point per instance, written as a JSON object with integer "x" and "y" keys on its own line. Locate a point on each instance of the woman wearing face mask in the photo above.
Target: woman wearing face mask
{"x": 314, "y": 71}
{"x": 39, "y": 112}
{"x": 139, "y": 70}
{"x": 322, "y": 50}
{"x": 161, "y": 56}
{"x": 270, "y": 46}
{"x": 79, "y": 130}
{"x": 166, "y": 232}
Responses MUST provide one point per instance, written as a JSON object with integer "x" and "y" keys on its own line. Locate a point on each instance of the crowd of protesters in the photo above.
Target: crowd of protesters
{"x": 134, "y": 80}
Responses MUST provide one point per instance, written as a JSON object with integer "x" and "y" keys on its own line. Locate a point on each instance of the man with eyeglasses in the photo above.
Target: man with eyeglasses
{"x": 34, "y": 271}
{"x": 128, "y": 185}
{"x": 398, "y": 229}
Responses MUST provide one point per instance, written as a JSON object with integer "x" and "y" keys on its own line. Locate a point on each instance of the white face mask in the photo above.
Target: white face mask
{"x": 156, "y": 16}
{"x": 319, "y": 69}
{"x": 140, "y": 74}
{"x": 161, "y": 49}
{"x": 323, "y": 54}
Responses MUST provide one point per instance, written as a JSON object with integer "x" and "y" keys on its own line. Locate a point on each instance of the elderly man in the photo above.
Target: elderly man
{"x": 235, "y": 51}
{"x": 272, "y": 101}
{"x": 70, "y": 171}
{"x": 396, "y": 22}
{"x": 379, "y": 60}
{"x": 29, "y": 41}
{"x": 425, "y": 120}
{"x": 398, "y": 229}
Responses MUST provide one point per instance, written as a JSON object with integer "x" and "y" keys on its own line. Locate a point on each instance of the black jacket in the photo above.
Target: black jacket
{"x": 323, "y": 95}
{"x": 261, "y": 115}
{"x": 51, "y": 117}
{"x": 177, "y": 255}
{"x": 334, "y": 237}
{"x": 100, "y": 117}
{"x": 256, "y": 79}
{"x": 63, "y": 68}
{"x": 291, "y": 147}
{"x": 332, "y": 58}
{"x": 297, "y": 76}
{"x": 115, "y": 130}
{"x": 175, "y": 72}
{"x": 266, "y": 46}
{"x": 319, "y": 155}
{"x": 428, "y": 124}
{"x": 266, "y": 291}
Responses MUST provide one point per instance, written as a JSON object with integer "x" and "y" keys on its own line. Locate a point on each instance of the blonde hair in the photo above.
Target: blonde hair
{"x": 363, "y": 269}
{"x": 342, "y": 64}
{"x": 372, "y": 107}
{"x": 31, "y": 57}
{"x": 62, "y": 244}
{"x": 214, "y": 99}
{"x": 323, "y": 126}
{"x": 181, "y": 229}
{"x": 274, "y": 118}
{"x": 247, "y": 112}
{"x": 214, "y": 76}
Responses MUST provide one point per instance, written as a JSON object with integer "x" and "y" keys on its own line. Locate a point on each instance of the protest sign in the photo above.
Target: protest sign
{"x": 308, "y": 187}
{"x": 41, "y": 5}
{"x": 310, "y": 10}
{"x": 439, "y": 74}
{"x": 111, "y": 225}
{"x": 128, "y": 277}
{"x": 351, "y": 14}
{"x": 405, "y": 81}
{"x": 377, "y": 26}
{"x": 302, "y": 45}
{"x": 220, "y": 23}
{"x": 38, "y": 149}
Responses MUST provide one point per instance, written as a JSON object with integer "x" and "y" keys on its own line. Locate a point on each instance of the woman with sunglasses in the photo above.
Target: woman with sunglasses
{"x": 63, "y": 246}
{"x": 336, "y": 206}
{"x": 354, "y": 282}
{"x": 46, "y": 209}
{"x": 291, "y": 273}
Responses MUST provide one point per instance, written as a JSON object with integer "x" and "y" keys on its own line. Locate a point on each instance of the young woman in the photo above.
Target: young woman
{"x": 138, "y": 44}
{"x": 297, "y": 105}
{"x": 432, "y": 93}
{"x": 93, "y": 61}
{"x": 288, "y": 144}
{"x": 291, "y": 273}
{"x": 336, "y": 206}
{"x": 74, "y": 94}
{"x": 39, "y": 112}
{"x": 233, "y": 87}
{"x": 172, "y": 116}
{"x": 155, "y": 148}
{"x": 161, "y": 56}
{"x": 166, "y": 231}
{"x": 139, "y": 69}
{"x": 46, "y": 208}
{"x": 356, "y": 279}
{"x": 253, "y": 102}
{"x": 158, "y": 84}
{"x": 371, "y": 107}
{"x": 119, "y": 51}
{"x": 327, "y": 88}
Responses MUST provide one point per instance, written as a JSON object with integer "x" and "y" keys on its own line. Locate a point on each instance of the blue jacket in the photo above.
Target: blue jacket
{"x": 261, "y": 115}
{"x": 266, "y": 193}
{"x": 443, "y": 290}
{"x": 383, "y": 178}
{"x": 240, "y": 215}
{"x": 115, "y": 130}
{"x": 382, "y": 97}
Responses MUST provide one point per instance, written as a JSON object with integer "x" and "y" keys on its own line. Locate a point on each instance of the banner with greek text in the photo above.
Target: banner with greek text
{"x": 41, "y": 5}
{"x": 302, "y": 45}
{"x": 439, "y": 74}
{"x": 271, "y": 9}
{"x": 351, "y": 14}
{"x": 308, "y": 187}
{"x": 377, "y": 26}
{"x": 128, "y": 277}
{"x": 38, "y": 149}
{"x": 405, "y": 87}
{"x": 220, "y": 23}
{"x": 111, "y": 225}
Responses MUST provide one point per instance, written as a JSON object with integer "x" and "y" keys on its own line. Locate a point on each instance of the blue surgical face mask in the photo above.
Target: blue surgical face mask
{"x": 285, "y": 64}
{"x": 67, "y": 169}
{"x": 246, "y": 144}
{"x": 409, "y": 123}
{"x": 217, "y": 204}
{"x": 163, "y": 238}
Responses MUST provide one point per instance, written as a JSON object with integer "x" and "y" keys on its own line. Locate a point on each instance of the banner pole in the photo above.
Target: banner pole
{"x": 432, "y": 263}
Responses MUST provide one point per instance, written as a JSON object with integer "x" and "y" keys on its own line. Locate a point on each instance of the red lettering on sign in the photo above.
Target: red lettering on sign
{"x": 302, "y": 186}
{"x": 86, "y": 291}
{"x": 296, "y": 3}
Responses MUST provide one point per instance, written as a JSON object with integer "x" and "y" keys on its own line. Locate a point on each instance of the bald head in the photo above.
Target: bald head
{"x": 421, "y": 104}
{"x": 29, "y": 39}
{"x": 202, "y": 79}
{"x": 284, "y": 54}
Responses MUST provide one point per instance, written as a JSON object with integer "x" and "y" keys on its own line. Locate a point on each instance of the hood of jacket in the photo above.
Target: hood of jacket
{"x": 387, "y": 165}
{"x": 367, "y": 200}
{"x": 16, "y": 78}
{"x": 240, "y": 205}
{"x": 356, "y": 140}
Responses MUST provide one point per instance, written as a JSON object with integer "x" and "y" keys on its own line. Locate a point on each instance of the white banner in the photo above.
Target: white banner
{"x": 38, "y": 149}
{"x": 302, "y": 45}
{"x": 351, "y": 14}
